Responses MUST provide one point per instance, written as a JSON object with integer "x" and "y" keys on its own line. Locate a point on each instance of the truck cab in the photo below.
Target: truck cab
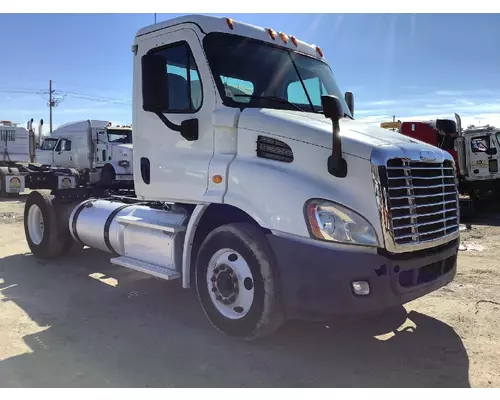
{"x": 255, "y": 184}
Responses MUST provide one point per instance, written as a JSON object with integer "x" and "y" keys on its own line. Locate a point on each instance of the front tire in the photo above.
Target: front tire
{"x": 237, "y": 283}
{"x": 108, "y": 174}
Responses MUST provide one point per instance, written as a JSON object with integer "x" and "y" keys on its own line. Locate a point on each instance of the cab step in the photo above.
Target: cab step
{"x": 147, "y": 268}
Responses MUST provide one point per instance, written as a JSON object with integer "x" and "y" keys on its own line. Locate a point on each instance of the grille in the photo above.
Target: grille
{"x": 422, "y": 200}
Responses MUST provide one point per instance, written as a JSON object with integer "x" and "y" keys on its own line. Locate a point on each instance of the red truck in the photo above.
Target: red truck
{"x": 441, "y": 133}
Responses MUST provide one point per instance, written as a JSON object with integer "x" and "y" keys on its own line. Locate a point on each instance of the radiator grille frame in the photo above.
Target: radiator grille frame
{"x": 418, "y": 200}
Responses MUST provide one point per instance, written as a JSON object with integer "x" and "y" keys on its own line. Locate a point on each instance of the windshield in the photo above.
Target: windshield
{"x": 48, "y": 144}
{"x": 251, "y": 73}
{"x": 119, "y": 136}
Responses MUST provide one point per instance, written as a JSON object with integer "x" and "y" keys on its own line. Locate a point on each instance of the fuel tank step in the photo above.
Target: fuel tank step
{"x": 151, "y": 269}
{"x": 158, "y": 225}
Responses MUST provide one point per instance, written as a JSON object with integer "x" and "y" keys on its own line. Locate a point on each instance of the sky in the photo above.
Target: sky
{"x": 413, "y": 66}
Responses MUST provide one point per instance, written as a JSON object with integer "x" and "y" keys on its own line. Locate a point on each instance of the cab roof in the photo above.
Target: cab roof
{"x": 208, "y": 24}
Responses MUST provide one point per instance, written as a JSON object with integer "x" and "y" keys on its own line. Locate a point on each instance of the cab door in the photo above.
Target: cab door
{"x": 171, "y": 166}
{"x": 63, "y": 153}
{"x": 101, "y": 149}
{"x": 482, "y": 156}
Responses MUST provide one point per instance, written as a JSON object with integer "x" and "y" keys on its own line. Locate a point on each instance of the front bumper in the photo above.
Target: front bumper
{"x": 316, "y": 281}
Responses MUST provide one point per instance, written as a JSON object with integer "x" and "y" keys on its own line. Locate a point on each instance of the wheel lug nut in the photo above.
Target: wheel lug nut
{"x": 214, "y": 289}
{"x": 219, "y": 297}
{"x": 213, "y": 279}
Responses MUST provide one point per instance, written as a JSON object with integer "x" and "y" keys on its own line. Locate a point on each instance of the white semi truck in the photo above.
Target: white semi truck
{"x": 477, "y": 150}
{"x": 255, "y": 184}
{"x": 95, "y": 148}
{"x": 83, "y": 153}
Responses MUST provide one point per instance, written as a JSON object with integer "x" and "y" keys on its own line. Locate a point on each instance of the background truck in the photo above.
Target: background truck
{"x": 475, "y": 151}
{"x": 97, "y": 149}
{"x": 270, "y": 199}
{"x": 69, "y": 160}
{"x": 18, "y": 168}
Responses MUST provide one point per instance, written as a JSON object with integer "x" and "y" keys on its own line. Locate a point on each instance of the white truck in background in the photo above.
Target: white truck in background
{"x": 254, "y": 183}
{"x": 97, "y": 149}
{"x": 70, "y": 159}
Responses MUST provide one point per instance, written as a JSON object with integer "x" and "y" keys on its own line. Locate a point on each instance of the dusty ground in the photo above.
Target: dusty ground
{"x": 83, "y": 322}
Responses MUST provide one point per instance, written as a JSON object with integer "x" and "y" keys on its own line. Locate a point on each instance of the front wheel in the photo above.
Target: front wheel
{"x": 237, "y": 283}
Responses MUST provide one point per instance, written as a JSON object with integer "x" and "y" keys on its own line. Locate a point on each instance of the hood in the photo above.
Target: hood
{"x": 123, "y": 146}
{"x": 123, "y": 149}
{"x": 358, "y": 139}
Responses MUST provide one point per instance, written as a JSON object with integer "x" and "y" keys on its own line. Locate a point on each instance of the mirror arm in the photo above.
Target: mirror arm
{"x": 188, "y": 129}
{"x": 337, "y": 166}
{"x": 169, "y": 124}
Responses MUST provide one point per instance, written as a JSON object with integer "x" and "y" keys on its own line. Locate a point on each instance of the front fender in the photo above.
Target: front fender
{"x": 274, "y": 193}
{"x": 119, "y": 170}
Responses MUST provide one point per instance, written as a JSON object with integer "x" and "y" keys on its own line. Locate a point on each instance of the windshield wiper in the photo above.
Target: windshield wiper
{"x": 275, "y": 98}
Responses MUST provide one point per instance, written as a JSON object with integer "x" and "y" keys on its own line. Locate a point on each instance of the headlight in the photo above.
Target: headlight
{"x": 335, "y": 223}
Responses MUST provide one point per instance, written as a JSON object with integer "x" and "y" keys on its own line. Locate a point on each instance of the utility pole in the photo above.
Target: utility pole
{"x": 155, "y": 18}
{"x": 51, "y": 103}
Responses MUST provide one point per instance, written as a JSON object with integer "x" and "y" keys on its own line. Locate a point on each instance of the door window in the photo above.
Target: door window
{"x": 480, "y": 144}
{"x": 185, "y": 92}
{"x": 65, "y": 145}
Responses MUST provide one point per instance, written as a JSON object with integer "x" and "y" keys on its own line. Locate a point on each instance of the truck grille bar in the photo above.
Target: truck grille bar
{"x": 418, "y": 202}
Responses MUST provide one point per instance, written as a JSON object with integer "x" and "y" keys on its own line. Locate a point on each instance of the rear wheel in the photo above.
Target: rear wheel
{"x": 237, "y": 283}
{"x": 42, "y": 229}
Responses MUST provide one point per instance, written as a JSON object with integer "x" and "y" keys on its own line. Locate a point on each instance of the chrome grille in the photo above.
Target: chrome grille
{"x": 422, "y": 200}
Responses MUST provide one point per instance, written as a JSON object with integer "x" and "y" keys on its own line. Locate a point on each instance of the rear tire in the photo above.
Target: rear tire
{"x": 237, "y": 283}
{"x": 42, "y": 229}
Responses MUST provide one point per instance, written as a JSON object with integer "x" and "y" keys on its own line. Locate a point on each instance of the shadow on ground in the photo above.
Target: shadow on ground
{"x": 145, "y": 332}
{"x": 21, "y": 198}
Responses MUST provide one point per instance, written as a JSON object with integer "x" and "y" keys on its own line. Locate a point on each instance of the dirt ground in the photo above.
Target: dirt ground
{"x": 83, "y": 322}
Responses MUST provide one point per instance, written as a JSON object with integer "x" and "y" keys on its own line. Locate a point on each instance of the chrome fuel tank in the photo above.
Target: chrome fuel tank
{"x": 133, "y": 230}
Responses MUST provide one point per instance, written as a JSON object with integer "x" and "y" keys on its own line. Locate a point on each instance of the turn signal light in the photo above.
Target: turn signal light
{"x": 217, "y": 179}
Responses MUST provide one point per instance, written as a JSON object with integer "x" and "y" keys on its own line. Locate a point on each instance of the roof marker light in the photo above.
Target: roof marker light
{"x": 294, "y": 40}
{"x": 230, "y": 23}
{"x": 272, "y": 33}
{"x": 283, "y": 37}
{"x": 320, "y": 52}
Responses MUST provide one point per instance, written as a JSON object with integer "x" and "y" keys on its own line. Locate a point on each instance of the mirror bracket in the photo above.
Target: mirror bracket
{"x": 332, "y": 108}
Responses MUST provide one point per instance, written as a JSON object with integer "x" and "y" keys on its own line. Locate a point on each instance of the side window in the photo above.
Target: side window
{"x": 238, "y": 88}
{"x": 296, "y": 94}
{"x": 66, "y": 145}
{"x": 185, "y": 92}
{"x": 480, "y": 144}
{"x": 59, "y": 145}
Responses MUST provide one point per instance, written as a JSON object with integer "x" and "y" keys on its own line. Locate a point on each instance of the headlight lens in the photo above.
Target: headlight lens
{"x": 335, "y": 223}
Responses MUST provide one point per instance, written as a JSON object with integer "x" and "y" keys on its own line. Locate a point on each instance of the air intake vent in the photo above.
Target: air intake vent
{"x": 273, "y": 149}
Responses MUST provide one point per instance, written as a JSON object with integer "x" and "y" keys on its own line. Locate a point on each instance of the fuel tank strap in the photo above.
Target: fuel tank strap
{"x": 75, "y": 219}
{"x": 108, "y": 224}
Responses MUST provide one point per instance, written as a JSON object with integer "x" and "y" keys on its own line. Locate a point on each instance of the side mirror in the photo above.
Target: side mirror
{"x": 349, "y": 99}
{"x": 332, "y": 107}
{"x": 154, "y": 83}
{"x": 491, "y": 151}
